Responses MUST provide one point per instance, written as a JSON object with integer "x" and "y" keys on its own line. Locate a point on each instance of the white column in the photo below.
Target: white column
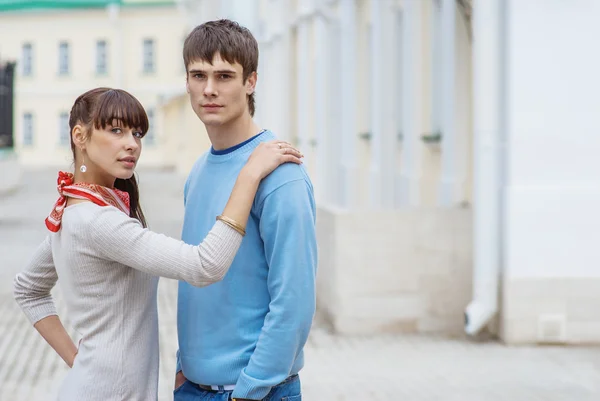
{"x": 347, "y": 96}
{"x": 303, "y": 65}
{"x": 384, "y": 103}
{"x": 225, "y": 8}
{"x": 274, "y": 92}
{"x": 390, "y": 119}
{"x": 285, "y": 67}
{"x": 437, "y": 67}
{"x": 245, "y": 12}
{"x": 376, "y": 74}
{"x": 208, "y": 9}
{"x": 262, "y": 94}
{"x": 321, "y": 76}
{"x": 397, "y": 105}
{"x": 412, "y": 123}
{"x": 334, "y": 111}
{"x": 447, "y": 187}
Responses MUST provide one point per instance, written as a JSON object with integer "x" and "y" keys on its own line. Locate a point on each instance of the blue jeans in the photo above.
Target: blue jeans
{"x": 287, "y": 390}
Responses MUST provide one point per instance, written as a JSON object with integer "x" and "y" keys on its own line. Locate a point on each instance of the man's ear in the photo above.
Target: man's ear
{"x": 187, "y": 85}
{"x": 79, "y": 136}
{"x": 251, "y": 83}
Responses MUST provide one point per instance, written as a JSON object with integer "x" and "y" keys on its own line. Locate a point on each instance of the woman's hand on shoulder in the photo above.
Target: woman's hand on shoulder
{"x": 269, "y": 155}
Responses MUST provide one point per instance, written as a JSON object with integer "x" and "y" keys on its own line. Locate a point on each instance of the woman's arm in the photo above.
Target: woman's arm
{"x": 53, "y": 331}
{"x": 120, "y": 238}
{"x": 264, "y": 159}
{"x": 32, "y": 292}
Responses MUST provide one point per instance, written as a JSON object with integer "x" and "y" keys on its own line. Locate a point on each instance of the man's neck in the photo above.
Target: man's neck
{"x": 225, "y": 136}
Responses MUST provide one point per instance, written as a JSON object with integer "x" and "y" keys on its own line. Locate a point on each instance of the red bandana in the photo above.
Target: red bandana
{"x": 98, "y": 194}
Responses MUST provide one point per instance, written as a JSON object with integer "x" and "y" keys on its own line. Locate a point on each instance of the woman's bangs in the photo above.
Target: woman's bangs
{"x": 119, "y": 105}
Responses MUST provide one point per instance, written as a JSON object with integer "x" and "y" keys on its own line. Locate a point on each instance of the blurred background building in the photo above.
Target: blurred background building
{"x": 451, "y": 142}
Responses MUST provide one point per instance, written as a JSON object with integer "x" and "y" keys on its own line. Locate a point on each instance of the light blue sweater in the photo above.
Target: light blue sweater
{"x": 250, "y": 328}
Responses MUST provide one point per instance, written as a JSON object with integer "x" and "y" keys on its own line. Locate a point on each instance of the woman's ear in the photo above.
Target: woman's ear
{"x": 79, "y": 136}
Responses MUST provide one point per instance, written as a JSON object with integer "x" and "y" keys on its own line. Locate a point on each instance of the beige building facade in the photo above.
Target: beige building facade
{"x": 63, "y": 52}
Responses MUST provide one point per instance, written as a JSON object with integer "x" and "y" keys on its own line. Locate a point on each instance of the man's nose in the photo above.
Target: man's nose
{"x": 210, "y": 88}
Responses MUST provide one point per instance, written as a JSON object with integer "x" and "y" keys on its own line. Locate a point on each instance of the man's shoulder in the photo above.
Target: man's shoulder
{"x": 286, "y": 173}
{"x": 288, "y": 181}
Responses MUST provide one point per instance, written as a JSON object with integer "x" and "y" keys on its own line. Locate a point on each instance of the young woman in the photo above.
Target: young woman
{"x": 108, "y": 261}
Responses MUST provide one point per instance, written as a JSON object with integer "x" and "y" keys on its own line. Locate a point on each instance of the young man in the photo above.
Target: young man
{"x": 242, "y": 338}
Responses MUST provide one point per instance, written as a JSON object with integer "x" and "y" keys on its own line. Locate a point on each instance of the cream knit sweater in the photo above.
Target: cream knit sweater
{"x": 108, "y": 267}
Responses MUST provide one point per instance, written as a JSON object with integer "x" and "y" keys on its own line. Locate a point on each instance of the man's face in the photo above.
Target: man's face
{"x": 218, "y": 92}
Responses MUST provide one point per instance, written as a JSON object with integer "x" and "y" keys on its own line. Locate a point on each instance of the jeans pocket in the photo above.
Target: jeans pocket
{"x": 292, "y": 398}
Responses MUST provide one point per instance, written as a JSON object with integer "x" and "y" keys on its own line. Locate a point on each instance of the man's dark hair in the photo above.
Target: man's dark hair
{"x": 233, "y": 42}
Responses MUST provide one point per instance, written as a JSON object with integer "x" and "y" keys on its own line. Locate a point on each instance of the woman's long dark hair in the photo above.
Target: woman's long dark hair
{"x": 98, "y": 108}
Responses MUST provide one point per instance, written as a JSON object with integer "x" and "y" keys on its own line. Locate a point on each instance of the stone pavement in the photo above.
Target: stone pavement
{"x": 407, "y": 368}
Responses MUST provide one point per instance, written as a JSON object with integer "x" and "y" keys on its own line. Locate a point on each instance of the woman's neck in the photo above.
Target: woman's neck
{"x": 90, "y": 178}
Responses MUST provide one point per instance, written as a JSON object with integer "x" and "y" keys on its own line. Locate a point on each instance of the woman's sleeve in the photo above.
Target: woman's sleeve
{"x": 122, "y": 239}
{"x": 33, "y": 285}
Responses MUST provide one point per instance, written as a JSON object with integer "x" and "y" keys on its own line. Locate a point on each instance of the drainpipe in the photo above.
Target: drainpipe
{"x": 488, "y": 124}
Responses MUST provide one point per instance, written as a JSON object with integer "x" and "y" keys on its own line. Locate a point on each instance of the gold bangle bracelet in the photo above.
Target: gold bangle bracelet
{"x": 232, "y": 223}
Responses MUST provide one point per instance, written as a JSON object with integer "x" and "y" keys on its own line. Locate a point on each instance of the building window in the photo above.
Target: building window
{"x": 27, "y": 129}
{"x": 63, "y": 58}
{"x": 101, "y": 64}
{"x": 27, "y": 59}
{"x": 148, "y": 56}
{"x": 64, "y": 130}
{"x": 150, "y": 137}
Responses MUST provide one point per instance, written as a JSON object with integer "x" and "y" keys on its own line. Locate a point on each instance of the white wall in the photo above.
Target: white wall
{"x": 551, "y": 286}
{"x": 553, "y": 164}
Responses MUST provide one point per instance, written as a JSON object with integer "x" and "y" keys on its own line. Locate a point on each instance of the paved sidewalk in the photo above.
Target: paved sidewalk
{"x": 407, "y": 368}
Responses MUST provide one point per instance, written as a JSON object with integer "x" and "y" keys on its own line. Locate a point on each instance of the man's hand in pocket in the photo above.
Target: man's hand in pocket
{"x": 179, "y": 380}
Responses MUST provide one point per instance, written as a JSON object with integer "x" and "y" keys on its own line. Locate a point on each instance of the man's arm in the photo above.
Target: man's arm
{"x": 287, "y": 227}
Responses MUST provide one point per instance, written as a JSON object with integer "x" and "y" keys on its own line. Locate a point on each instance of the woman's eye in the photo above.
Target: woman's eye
{"x": 138, "y": 134}
{"x": 116, "y": 130}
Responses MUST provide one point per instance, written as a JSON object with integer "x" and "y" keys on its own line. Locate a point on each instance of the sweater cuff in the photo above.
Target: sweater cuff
{"x": 36, "y": 311}
{"x": 251, "y": 388}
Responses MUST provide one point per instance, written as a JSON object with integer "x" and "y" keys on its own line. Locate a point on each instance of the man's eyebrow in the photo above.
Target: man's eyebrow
{"x": 195, "y": 71}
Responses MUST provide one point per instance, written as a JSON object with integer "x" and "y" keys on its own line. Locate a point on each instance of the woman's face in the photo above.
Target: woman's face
{"x": 111, "y": 153}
